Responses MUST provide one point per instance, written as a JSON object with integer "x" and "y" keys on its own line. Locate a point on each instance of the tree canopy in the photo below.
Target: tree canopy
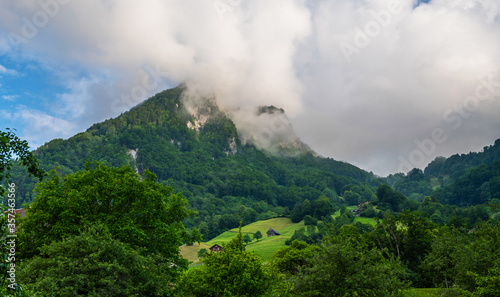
{"x": 142, "y": 214}
{"x": 12, "y": 149}
{"x": 94, "y": 263}
{"x": 232, "y": 272}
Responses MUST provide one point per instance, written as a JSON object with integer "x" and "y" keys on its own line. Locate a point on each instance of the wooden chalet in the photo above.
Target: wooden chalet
{"x": 272, "y": 232}
{"x": 215, "y": 248}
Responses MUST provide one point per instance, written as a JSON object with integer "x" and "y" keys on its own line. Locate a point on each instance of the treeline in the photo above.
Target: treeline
{"x": 386, "y": 201}
{"x": 457, "y": 164}
{"x": 466, "y": 179}
{"x": 108, "y": 232}
{"x": 401, "y": 251}
{"x": 478, "y": 185}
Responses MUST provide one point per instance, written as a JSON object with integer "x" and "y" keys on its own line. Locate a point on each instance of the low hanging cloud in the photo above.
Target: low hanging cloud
{"x": 386, "y": 75}
{"x": 362, "y": 81}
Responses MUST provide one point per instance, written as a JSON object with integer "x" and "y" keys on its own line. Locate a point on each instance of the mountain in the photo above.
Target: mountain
{"x": 456, "y": 165}
{"x": 461, "y": 179}
{"x": 226, "y": 174}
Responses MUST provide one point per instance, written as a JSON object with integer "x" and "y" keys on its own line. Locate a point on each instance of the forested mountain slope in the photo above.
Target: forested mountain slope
{"x": 199, "y": 152}
{"x": 461, "y": 179}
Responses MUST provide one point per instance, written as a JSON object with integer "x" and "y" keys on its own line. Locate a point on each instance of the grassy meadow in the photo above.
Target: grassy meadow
{"x": 265, "y": 247}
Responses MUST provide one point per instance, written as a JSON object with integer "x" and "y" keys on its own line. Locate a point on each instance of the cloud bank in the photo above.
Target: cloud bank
{"x": 374, "y": 82}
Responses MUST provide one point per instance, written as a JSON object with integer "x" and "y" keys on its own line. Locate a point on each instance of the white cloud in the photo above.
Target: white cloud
{"x": 403, "y": 75}
{"x": 397, "y": 88}
{"x": 40, "y": 127}
{"x": 4, "y": 70}
{"x": 9, "y": 97}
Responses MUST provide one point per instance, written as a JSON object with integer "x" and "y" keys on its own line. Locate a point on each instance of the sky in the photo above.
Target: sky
{"x": 386, "y": 85}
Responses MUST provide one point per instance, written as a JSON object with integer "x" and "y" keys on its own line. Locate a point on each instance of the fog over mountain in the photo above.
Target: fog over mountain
{"x": 383, "y": 84}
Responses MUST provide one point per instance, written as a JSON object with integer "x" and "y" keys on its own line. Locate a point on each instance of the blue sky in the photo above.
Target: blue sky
{"x": 371, "y": 82}
{"x": 24, "y": 87}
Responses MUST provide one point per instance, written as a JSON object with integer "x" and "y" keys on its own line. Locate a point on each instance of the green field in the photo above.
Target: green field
{"x": 337, "y": 213}
{"x": 265, "y": 247}
{"x": 369, "y": 221}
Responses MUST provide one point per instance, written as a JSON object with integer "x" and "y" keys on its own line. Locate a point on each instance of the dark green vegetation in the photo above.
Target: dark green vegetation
{"x": 90, "y": 223}
{"x": 103, "y": 232}
{"x": 94, "y": 263}
{"x": 233, "y": 272}
{"x": 467, "y": 179}
{"x": 11, "y": 145}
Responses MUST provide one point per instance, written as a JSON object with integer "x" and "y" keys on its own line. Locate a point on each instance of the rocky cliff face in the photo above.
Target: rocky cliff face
{"x": 269, "y": 128}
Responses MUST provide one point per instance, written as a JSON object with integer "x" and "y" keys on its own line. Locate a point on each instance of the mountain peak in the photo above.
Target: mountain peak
{"x": 270, "y": 109}
{"x": 269, "y": 128}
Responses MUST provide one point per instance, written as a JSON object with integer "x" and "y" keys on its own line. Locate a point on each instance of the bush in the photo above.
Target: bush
{"x": 310, "y": 221}
{"x": 94, "y": 264}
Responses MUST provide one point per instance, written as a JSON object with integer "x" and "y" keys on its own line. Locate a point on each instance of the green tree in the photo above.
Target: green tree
{"x": 247, "y": 239}
{"x": 440, "y": 264}
{"x": 201, "y": 253}
{"x": 232, "y": 272}
{"x": 141, "y": 213}
{"x": 407, "y": 237}
{"x": 488, "y": 285}
{"x": 257, "y": 235}
{"x": 468, "y": 259}
{"x": 310, "y": 221}
{"x": 387, "y": 197}
{"x": 322, "y": 207}
{"x": 352, "y": 198}
{"x": 93, "y": 263}
{"x": 344, "y": 265}
{"x": 290, "y": 259}
{"x": 11, "y": 145}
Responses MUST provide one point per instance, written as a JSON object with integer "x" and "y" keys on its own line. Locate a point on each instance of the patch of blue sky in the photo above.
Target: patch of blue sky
{"x": 418, "y": 2}
{"x": 25, "y": 85}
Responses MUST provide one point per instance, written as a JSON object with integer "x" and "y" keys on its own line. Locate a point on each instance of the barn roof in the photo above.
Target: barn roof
{"x": 274, "y": 231}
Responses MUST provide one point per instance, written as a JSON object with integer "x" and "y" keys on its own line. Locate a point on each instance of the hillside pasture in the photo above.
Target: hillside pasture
{"x": 265, "y": 247}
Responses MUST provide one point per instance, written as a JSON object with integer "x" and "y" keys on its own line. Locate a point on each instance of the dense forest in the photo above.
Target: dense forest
{"x": 165, "y": 172}
{"x": 104, "y": 231}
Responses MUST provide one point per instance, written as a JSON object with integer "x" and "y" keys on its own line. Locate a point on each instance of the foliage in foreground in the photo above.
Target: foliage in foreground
{"x": 136, "y": 242}
{"x": 233, "y": 272}
{"x": 143, "y": 214}
{"x": 94, "y": 264}
{"x": 345, "y": 265}
{"x": 11, "y": 145}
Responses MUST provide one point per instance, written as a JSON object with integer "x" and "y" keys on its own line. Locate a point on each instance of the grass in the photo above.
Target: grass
{"x": 265, "y": 247}
{"x": 363, "y": 220}
{"x": 369, "y": 221}
{"x": 337, "y": 213}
